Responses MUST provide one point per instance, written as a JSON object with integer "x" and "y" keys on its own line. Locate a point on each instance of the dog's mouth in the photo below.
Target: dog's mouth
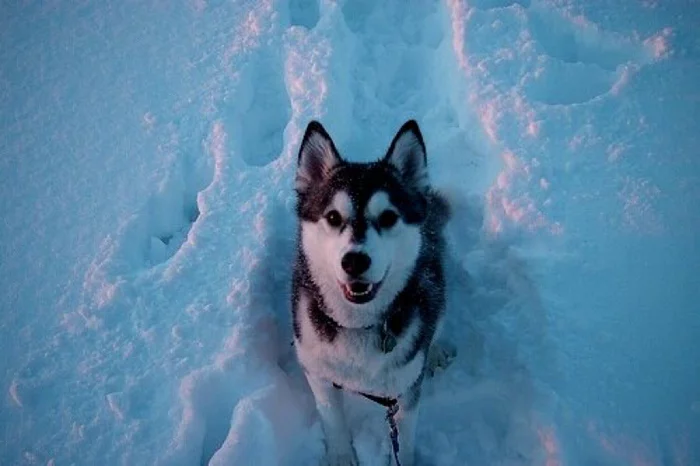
{"x": 360, "y": 292}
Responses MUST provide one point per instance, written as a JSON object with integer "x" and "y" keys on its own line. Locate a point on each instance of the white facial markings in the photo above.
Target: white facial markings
{"x": 343, "y": 204}
{"x": 324, "y": 247}
{"x": 382, "y": 213}
{"x": 393, "y": 254}
{"x": 395, "y": 249}
{"x": 377, "y": 204}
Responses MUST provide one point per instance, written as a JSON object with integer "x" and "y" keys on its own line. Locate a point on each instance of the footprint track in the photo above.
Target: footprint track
{"x": 561, "y": 84}
{"x": 258, "y": 114}
{"x": 160, "y": 227}
{"x": 173, "y": 209}
{"x": 172, "y": 213}
{"x": 304, "y": 13}
{"x": 562, "y": 59}
{"x": 388, "y": 68}
{"x": 573, "y": 41}
{"x": 579, "y": 62}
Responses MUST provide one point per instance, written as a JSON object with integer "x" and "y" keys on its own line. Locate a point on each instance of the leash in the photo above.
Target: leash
{"x": 392, "y": 407}
{"x": 393, "y": 431}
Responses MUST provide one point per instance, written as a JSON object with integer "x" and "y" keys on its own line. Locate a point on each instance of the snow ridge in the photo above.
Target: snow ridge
{"x": 173, "y": 347}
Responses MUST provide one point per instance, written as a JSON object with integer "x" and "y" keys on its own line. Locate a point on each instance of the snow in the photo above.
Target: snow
{"x": 147, "y": 154}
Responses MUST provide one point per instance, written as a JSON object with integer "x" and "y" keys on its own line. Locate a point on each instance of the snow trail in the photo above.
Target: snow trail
{"x": 145, "y": 312}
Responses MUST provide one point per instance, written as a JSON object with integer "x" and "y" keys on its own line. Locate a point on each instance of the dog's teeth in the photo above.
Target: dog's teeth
{"x": 368, "y": 289}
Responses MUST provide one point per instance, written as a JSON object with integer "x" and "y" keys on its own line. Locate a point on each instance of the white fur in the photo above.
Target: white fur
{"x": 329, "y": 404}
{"x": 406, "y": 421}
{"x": 393, "y": 255}
{"x": 378, "y": 203}
{"x": 343, "y": 204}
{"x": 354, "y": 358}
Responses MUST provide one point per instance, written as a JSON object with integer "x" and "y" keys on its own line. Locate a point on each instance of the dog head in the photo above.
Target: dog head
{"x": 360, "y": 223}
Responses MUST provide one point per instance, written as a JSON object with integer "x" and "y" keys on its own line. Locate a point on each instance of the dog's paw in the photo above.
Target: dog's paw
{"x": 440, "y": 356}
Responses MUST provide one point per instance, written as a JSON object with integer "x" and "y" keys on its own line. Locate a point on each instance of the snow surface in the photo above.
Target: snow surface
{"x": 147, "y": 160}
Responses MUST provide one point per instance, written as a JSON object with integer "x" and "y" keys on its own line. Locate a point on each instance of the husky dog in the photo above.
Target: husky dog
{"x": 368, "y": 286}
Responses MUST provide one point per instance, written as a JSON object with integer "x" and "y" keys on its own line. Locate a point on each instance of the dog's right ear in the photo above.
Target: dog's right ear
{"x": 317, "y": 157}
{"x": 407, "y": 154}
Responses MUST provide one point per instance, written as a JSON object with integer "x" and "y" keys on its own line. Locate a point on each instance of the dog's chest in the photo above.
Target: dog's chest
{"x": 355, "y": 359}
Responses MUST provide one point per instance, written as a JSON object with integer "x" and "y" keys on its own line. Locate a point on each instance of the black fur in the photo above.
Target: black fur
{"x": 302, "y": 282}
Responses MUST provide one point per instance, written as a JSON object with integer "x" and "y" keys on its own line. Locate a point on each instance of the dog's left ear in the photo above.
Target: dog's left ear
{"x": 317, "y": 157}
{"x": 407, "y": 154}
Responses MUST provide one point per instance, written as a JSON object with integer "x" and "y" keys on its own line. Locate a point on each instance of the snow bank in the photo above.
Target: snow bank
{"x": 148, "y": 153}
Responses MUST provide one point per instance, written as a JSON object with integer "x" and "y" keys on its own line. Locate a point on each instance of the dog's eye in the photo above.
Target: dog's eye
{"x": 387, "y": 219}
{"x": 334, "y": 219}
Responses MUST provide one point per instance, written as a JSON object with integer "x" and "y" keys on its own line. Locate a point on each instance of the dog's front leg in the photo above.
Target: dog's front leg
{"x": 329, "y": 403}
{"x": 406, "y": 423}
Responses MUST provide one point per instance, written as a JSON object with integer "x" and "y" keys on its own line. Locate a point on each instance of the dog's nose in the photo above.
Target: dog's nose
{"x": 355, "y": 263}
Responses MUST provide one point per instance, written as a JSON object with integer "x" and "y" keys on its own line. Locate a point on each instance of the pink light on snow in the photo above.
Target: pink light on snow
{"x": 459, "y": 15}
{"x": 550, "y": 445}
{"x": 533, "y": 128}
{"x": 623, "y": 447}
{"x": 305, "y": 76}
{"x": 659, "y": 45}
{"x": 526, "y": 115}
{"x": 257, "y": 22}
{"x": 487, "y": 111}
{"x": 305, "y": 73}
{"x": 639, "y": 214}
{"x": 488, "y": 114}
{"x": 508, "y": 202}
{"x": 217, "y": 148}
